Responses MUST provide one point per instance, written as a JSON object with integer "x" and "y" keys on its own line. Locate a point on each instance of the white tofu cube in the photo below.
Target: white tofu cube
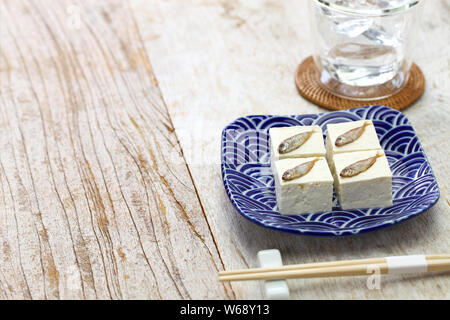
{"x": 367, "y": 141}
{"x": 313, "y": 147}
{"x": 369, "y": 189}
{"x": 310, "y": 193}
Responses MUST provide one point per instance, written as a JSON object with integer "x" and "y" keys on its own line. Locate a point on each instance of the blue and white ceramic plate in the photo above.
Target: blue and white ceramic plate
{"x": 249, "y": 182}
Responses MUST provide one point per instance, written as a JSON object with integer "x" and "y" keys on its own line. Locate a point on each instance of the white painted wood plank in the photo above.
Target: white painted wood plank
{"x": 218, "y": 60}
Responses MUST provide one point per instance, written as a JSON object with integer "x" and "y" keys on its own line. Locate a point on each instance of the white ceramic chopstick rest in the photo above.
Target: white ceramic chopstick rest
{"x": 273, "y": 289}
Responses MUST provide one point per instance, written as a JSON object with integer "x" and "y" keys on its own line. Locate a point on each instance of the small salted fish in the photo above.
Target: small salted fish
{"x": 351, "y": 135}
{"x": 360, "y": 166}
{"x": 294, "y": 142}
{"x": 299, "y": 171}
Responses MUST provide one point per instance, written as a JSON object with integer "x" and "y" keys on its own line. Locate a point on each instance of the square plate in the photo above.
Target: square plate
{"x": 248, "y": 179}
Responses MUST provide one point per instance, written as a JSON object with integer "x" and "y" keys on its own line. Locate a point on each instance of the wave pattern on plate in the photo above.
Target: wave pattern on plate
{"x": 249, "y": 182}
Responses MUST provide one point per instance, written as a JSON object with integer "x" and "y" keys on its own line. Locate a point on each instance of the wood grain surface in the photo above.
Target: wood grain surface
{"x": 219, "y": 60}
{"x": 96, "y": 200}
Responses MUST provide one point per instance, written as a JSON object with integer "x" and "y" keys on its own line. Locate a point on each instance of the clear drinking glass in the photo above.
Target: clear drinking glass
{"x": 363, "y": 47}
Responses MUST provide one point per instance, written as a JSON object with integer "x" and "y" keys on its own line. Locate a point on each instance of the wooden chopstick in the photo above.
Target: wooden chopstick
{"x": 321, "y": 265}
{"x": 433, "y": 265}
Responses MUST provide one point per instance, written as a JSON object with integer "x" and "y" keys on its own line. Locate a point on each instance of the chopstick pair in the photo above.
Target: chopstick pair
{"x": 398, "y": 265}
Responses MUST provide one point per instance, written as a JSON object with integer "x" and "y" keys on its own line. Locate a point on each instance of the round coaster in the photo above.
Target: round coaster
{"x": 309, "y": 86}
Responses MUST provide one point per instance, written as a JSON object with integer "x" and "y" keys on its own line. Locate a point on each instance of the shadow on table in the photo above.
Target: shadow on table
{"x": 399, "y": 239}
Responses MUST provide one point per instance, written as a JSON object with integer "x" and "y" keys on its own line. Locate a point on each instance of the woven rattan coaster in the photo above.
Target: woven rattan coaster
{"x": 309, "y": 86}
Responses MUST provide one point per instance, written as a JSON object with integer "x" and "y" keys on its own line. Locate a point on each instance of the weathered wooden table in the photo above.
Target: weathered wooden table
{"x": 110, "y": 120}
